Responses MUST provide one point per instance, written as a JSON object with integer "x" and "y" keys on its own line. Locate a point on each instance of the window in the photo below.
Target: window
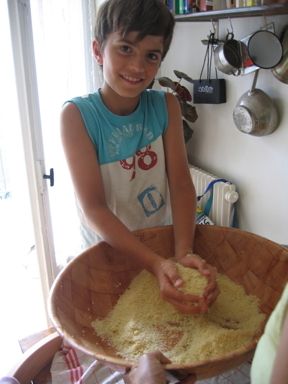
{"x": 59, "y": 37}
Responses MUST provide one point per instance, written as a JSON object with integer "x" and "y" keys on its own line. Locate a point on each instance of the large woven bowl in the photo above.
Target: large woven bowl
{"x": 90, "y": 285}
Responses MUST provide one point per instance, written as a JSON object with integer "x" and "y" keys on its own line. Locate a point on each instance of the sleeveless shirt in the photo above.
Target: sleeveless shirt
{"x": 131, "y": 156}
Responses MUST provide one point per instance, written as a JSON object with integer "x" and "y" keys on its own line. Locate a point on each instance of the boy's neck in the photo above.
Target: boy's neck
{"x": 117, "y": 104}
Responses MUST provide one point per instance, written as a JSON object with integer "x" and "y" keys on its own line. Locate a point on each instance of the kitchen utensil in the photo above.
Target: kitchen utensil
{"x": 207, "y": 90}
{"x": 265, "y": 49}
{"x": 227, "y": 56}
{"x": 255, "y": 112}
{"x": 90, "y": 285}
{"x": 281, "y": 70}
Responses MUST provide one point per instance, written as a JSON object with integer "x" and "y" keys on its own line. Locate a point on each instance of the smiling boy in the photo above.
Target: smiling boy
{"x": 125, "y": 149}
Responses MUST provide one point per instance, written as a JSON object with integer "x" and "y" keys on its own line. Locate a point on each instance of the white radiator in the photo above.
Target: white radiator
{"x": 224, "y": 196}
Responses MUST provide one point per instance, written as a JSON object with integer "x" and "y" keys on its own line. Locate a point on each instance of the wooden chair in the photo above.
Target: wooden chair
{"x": 35, "y": 363}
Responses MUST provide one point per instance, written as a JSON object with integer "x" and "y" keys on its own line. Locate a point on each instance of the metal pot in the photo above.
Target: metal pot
{"x": 265, "y": 49}
{"x": 255, "y": 112}
{"x": 281, "y": 70}
{"x": 227, "y": 56}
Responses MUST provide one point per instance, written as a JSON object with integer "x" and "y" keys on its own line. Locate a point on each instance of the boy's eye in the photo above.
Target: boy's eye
{"x": 125, "y": 48}
{"x": 154, "y": 56}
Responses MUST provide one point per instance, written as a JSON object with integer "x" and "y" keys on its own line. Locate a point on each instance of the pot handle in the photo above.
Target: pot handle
{"x": 254, "y": 80}
{"x": 237, "y": 72}
{"x": 229, "y": 36}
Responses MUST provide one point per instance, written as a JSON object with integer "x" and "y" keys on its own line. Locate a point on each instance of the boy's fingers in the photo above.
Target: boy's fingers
{"x": 170, "y": 292}
{"x": 212, "y": 290}
{"x": 193, "y": 260}
{"x": 212, "y": 296}
{"x": 170, "y": 270}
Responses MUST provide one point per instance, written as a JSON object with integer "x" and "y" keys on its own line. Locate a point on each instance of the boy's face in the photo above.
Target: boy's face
{"x": 129, "y": 65}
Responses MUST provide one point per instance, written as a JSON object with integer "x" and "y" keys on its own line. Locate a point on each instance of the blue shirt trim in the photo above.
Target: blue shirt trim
{"x": 118, "y": 137}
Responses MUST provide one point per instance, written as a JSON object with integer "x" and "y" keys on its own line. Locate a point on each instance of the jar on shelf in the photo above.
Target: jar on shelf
{"x": 179, "y": 7}
{"x": 205, "y": 5}
{"x": 240, "y": 3}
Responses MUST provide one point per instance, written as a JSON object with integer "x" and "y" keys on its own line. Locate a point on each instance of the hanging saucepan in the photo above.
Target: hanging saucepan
{"x": 255, "y": 112}
{"x": 281, "y": 70}
{"x": 265, "y": 49}
{"x": 227, "y": 56}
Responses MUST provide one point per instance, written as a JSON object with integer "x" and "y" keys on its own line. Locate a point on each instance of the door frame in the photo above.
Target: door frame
{"x": 29, "y": 111}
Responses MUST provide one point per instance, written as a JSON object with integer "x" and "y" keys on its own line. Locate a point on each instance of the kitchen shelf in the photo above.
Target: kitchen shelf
{"x": 263, "y": 10}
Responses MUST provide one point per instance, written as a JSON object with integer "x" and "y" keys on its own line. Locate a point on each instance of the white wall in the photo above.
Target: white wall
{"x": 257, "y": 165}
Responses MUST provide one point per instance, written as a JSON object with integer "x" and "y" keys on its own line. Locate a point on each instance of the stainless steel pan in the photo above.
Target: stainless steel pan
{"x": 255, "y": 112}
{"x": 265, "y": 49}
{"x": 227, "y": 56}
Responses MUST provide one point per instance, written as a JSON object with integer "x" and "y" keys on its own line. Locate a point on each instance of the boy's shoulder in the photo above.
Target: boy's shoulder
{"x": 87, "y": 98}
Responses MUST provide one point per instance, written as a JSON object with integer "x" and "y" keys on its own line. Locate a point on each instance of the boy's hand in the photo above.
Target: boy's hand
{"x": 169, "y": 281}
{"x": 193, "y": 260}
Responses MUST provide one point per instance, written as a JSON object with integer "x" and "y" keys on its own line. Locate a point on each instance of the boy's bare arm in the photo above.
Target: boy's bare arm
{"x": 183, "y": 196}
{"x": 183, "y": 199}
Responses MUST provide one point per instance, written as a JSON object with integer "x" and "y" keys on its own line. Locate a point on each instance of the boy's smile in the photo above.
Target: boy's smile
{"x": 129, "y": 66}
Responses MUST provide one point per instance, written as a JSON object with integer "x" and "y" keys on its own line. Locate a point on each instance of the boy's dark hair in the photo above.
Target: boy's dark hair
{"x": 148, "y": 17}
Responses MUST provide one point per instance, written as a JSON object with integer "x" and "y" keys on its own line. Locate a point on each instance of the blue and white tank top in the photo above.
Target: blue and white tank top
{"x": 131, "y": 157}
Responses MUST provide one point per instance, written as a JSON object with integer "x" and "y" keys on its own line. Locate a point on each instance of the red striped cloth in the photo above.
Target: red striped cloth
{"x": 72, "y": 366}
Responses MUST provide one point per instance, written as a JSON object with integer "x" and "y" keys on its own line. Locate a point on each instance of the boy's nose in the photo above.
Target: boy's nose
{"x": 137, "y": 63}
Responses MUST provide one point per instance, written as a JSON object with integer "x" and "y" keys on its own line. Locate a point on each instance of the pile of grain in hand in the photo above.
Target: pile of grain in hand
{"x": 141, "y": 321}
{"x": 194, "y": 282}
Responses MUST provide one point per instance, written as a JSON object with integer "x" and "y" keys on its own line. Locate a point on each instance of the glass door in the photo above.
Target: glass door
{"x": 22, "y": 291}
{"x": 44, "y": 62}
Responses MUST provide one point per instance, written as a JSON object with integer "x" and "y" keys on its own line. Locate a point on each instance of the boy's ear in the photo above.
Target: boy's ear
{"x": 97, "y": 52}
